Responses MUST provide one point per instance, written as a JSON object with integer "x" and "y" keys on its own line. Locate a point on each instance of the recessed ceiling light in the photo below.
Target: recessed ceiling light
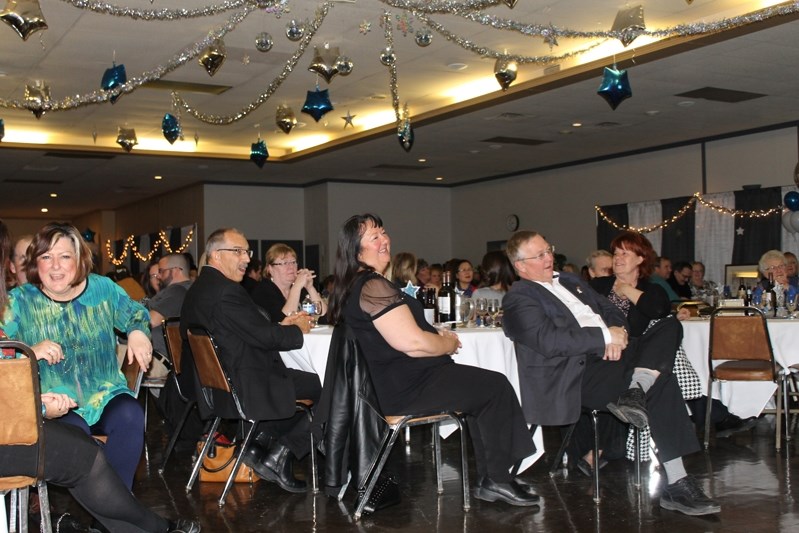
{"x": 474, "y": 151}
{"x": 422, "y": 160}
{"x": 495, "y": 146}
{"x": 686, "y": 103}
{"x": 45, "y": 210}
{"x": 158, "y": 177}
{"x": 577, "y": 124}
{"x": 53, "y": 195}
{"x": 565, "y": 132}
{"x": 378, "y": 96}
{"x": 457, "y": 66}
{"x": 653, "y": 112}
{"x": 439, "y": 178}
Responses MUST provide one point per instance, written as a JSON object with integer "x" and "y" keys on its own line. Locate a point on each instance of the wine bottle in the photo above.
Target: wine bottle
{"x": 771, "y": 294}
{"x": 430, "y": 307}
{"x": 742, "y": 291}
{"x": 446, "y": 297}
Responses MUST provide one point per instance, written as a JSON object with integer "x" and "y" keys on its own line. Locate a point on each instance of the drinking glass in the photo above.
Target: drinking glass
{"x": 790, "y": 303}
{"x": 481, "y": 309}
{"x": 317, "y": 311}
{"x": 493, "y": 310}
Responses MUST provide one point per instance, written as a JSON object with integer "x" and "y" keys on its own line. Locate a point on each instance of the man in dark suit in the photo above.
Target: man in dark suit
{"x": 248, "y": 345}
{"x": 573, "y": 350}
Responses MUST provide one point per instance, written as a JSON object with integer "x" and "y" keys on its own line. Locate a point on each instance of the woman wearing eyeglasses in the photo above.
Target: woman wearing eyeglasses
{"x": 284, "y": 285}
{"x": 69, "y": 316}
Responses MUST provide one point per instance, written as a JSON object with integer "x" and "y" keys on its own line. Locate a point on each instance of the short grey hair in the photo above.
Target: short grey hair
{"x": 594, "y": 255}
{"x": 771, "y": 254}
{"x": 217, "y": 239}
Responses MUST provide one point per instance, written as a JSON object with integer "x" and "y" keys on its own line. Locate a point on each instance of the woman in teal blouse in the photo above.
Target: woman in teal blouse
{"x": 68, "y": 316}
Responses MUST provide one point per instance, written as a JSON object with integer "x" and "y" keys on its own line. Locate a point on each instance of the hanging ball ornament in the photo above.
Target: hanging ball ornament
{"x": 213, "y": 57}
{"x": 25, "y": 16}
{"x": 37, "y": 95}
{"x": 258, "y": 153}
{"x": 88, "y": 235}
{"x": 112, "y": 78}
{"x": 317, "y": 104}
{"x": 344, "y": 65}
{"x": 505, "y": 72}
{"x": 263, "y": 42}
{"x": 405, "y": 134}
{"x": 127, "y": 139}
{"x": 285, "y": 119}
{"x": 170, "y": 126}
{"x": 615, "y": 87}
{"x": 786, "y": 222}
{"x": 387, "y": 56}
{"x": 795, "y": 221}
{"x": 424, "y": 38}
{"x": 294, "y": 30}
{"x": 791, "y": 200}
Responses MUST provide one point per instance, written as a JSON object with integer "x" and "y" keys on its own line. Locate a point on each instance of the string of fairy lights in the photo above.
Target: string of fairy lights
{"x": 691, "y": 203}
{"x": 130, "y": 248}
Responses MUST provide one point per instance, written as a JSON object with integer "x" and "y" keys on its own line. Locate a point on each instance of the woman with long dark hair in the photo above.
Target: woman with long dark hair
{"x": 411, "y": 365}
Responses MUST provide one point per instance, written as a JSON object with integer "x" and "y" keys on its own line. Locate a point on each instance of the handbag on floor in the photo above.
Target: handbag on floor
{"x": 219, "y": 462}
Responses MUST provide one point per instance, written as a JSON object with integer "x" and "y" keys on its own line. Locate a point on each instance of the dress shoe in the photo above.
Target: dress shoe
{"x": 686, "y": 496}
{"x": 255, "y": 455}
{"x": 510, "y": 493}
{"x": 526, "y": 487}
{"x": 278, "y": 467}
{"x": 184, "y": 526}
{"x": 630, "y": 408}
{"x": 733, "y": 424}
{"x": 584, "y": 467}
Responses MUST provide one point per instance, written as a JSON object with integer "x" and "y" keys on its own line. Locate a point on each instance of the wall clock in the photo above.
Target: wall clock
{"x": 512, "y": 223}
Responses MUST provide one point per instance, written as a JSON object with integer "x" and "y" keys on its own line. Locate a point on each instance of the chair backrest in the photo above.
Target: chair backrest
{"x": 21, "y": 416}
{"x": 739, "y": 333}
{"x": 133, "y": 375}
{"x": 173, "y": 342}
{"x": 693, "y": 307}
{"x": 206, "y": 359}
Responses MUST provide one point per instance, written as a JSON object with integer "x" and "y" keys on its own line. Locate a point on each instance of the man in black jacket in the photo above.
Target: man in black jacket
{"x": 248, "y": 345}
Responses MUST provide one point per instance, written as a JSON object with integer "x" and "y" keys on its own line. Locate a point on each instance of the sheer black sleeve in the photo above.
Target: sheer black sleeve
{"x": 379, "y": 296}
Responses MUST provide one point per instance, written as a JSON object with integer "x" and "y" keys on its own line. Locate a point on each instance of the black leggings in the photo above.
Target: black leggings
{"x": 74, "y": 461}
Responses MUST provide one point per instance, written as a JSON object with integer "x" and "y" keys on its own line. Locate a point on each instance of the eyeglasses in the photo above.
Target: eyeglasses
{"x": 540, "y": 257}
{"x": 465, "y": 270}
{"x": 162, "y": 270}
{"x": 155, "y": 275}
{"x": 237, "y": 251}
{"x": 284, "y": 263}
{"x": 775, "y": 267}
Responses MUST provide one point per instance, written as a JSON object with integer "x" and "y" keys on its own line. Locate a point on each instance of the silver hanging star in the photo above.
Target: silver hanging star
{"x": 348, "y": 120}
{"x": 550, "y": 36}
{"x": 739, "y": 231}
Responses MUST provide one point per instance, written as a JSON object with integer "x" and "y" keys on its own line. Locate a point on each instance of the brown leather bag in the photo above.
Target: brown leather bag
{"x": 219, "y": 462}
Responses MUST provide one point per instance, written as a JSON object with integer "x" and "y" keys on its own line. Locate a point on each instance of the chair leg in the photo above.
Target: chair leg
{"x": 779, "y": 414}
{"x": 44, "y": 507}
{"x": 13, "y": 510}
{"x": 707, "y": 412}
{"x": 237, "y": 463}
{"x": 195, "y": 471}
{"x": 374, "y": 474}
{"x": 559, "y": 456}
{"x": 785, "y": 405}
{"x": 22, "y": 507}
{"x": 637, "y": 433}
{"x": 464, "y": 463}
{"x": 597, "y": 497}
{"x": 175, "y": 435}
{"x": 314, "y": 471}
{"x": 437, "y": 457}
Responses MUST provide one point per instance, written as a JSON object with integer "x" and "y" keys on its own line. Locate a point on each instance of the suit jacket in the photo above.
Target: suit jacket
{"x": 248, "y": 344}
{"x": 551, "y": 347}
{"x": 654, "y": 303}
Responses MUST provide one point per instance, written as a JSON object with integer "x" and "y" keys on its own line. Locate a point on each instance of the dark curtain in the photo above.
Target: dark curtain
{"x": 754, "y": 236}
{"x": 678, "y": 237}
{"x": 604, "y": 231}
{"x": 174, "y": 239}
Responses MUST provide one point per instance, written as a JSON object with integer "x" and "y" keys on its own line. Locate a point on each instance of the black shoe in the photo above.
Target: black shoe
{"x": 630, "y": 408}
{"x": 255, "y": 455}
{"x": 278, "y": 467}
{"x": 587, "y": 469}
{"x": 184, "y": 526}
{"x": 66, "y": 523}
{"x": 525, "y": 486}
{"x": 686, "y": 496}
{"x": 510, "y": 492}
{"x": 732, "y": 424}
{"x": 385, "y": 494}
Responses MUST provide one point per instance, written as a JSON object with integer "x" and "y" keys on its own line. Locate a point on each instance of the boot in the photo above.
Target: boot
{"x": 278, "y": 467}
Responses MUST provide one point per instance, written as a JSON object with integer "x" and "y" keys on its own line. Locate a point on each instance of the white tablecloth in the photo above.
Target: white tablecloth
{"x": 744, "y": 399}
{"x": 484, "y": 348}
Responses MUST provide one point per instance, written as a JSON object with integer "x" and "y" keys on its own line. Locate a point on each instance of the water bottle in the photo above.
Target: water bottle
{"x": 307, "y": 305}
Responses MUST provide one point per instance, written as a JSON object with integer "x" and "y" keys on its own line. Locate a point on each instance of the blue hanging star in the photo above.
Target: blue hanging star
{"x": 410, "y": 289}
{"x": 113, "y": 78}
{"x": 615, "y": 87}
{"x": 317, "y": 104}
{"x": 171, "y": 128}
{"x": 258, "y": 153}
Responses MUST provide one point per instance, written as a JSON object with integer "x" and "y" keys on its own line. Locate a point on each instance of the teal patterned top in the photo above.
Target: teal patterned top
{"x": 84, "y": 327}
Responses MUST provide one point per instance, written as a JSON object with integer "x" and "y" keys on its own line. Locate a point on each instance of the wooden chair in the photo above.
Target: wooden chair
{"x": 213, "y": 377}
{"x": 395, "y": 424}
{"x": 20, "y": 396}
{"x": 739, "y": 337}
{"x": 174, "y": 349}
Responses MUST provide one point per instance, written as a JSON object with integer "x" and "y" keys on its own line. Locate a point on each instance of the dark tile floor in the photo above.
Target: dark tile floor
{"x": 756, "y": 487}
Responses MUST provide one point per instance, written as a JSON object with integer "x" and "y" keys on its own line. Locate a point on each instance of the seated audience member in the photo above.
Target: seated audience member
{"x": 792, "y": 268}
{"x": 173, "y": 279}
{"x": 403, "y": 269}
{"x": 17, "y": 264}
{"x": 194, "y": 269}
{"x": 284, "y": 286}
{"x": 498, "y": 276}
{"x": 462, "y": 274}
{"x": 69, "y": 317}
{"x": 422, "y": 272}
{"x": 248, "y": 348}
{"x": 772, "y": 268}
{"x": 132, "y": 287}
{"x": 327, "y": 286}
{"x": 680, "y": 280}
{"x": 600, "y": 263}
{"x": 574, "y": 351}
{"x": 701, "y": 289}
{"x": 661, "y": 275}
{"x": 571, "y": 268}
{"x": 150, "y": 281}
{"x": 253, "y": 276}
{"x": 436, "y": 276}
{"x": 410, "y": 364}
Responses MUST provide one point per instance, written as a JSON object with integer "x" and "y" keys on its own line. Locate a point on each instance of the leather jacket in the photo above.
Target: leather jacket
{"x": 347, "y": 419}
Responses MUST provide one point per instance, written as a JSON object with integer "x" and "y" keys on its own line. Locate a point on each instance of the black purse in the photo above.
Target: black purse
{"x": 385, "y": 494}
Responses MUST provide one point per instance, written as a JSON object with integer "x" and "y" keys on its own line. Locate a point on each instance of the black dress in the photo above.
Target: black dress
{"x": 269, "y": 296}
{"x": 407, "y": 384}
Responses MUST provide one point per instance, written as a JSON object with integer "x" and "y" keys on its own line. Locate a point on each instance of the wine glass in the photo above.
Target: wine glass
{"x": 317, "y": 311}
{"x": 493, "y": 308}
{"x": 790, "y": 303}
{"x": 481, "y": 309}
